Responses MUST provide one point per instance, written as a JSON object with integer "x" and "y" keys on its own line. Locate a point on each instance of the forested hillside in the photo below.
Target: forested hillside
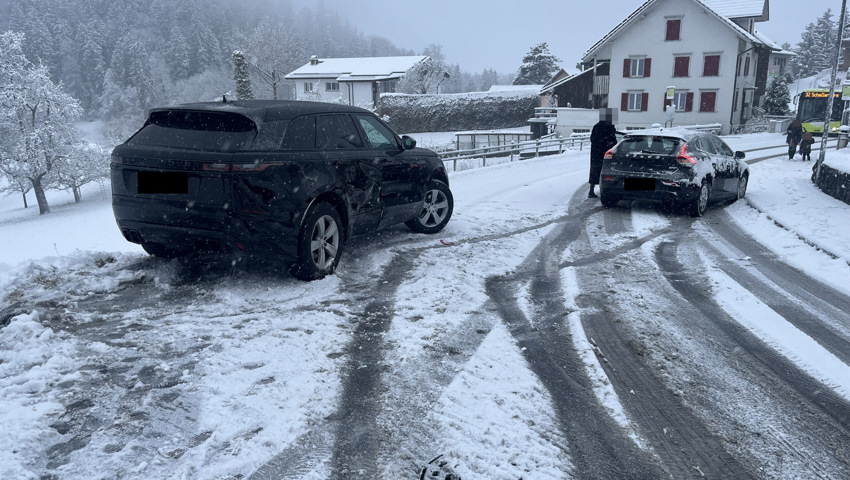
{"x": 125, "y": 56}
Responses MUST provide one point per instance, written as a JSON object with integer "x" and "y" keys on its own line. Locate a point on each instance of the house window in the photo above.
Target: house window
{"x": 637, "y": 67}
{"x": 707, "y": 100}
{"x": 711, "y": 65}
{"x": 308, "y": 87}
{"x": 682, "y": 66}
{"x": 674, "y": 29}
{"x": 636, "y": 101}
{"x": 747, "y": 66}
{"x": 331, "y": 86}
{"x": 680, "y": 100}
{"x": 389, "y": 86}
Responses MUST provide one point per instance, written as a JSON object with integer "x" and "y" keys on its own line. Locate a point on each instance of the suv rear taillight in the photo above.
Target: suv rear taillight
{"x": 116, "y": 159}
{"x": 684, "y": 159}
{"x": 610, "y": 154}
{"x": 216, "y": 167}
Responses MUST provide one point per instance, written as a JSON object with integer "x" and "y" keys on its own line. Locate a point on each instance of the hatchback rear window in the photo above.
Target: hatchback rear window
{"x": 650, "y": 144}
{"x": 210, "y": 131}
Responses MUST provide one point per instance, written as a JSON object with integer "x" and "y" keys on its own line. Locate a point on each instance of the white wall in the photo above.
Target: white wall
{"x": 358, "y": 94}
{"x": 701, "y": 33}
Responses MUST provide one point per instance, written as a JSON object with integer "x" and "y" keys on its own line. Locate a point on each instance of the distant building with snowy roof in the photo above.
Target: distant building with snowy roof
{"x": 352, "y": 81}
{"x": 707, "y": 53}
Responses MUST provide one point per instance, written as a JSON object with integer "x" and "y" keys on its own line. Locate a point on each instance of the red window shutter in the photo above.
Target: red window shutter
{"x": 627, "y": 67}
{"x": 647, "y": 63}
{"x": 706, "y": 101}
{"x": 674, "y": 28}
{"x": 682, "y": 66}
{"x": 667, "y": 101}
{"x": 644, "y": 102}
{"x": 747, "y": 66}
{"x": 624, "y": 102}
{"x": 689, "y": 102}
{"x": 711, "y": 66}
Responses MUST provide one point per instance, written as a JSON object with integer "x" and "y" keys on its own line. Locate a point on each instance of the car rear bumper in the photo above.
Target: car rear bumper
{"x": 649, "y": 188}
{"x": 182, "y": 228}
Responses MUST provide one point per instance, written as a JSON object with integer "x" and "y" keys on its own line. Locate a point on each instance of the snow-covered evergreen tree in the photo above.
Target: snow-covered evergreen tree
{"x": 242, "y": 77}
{"x": 816, "y": 49}
{"x": 538, "y": 66}
{"x": 777, "y": 97}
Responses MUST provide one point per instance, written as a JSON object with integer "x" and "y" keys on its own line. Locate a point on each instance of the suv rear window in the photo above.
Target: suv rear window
{"x": 209, "y": 131}
{"x": 650, "y": 144}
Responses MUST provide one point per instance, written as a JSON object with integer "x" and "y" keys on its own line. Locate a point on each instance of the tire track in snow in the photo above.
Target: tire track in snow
{"x": 833, "y": 417}
{"x": 598, "y": 447}
{"x": 681, "y": 441}
{"x": 806, "y": 313}
{"x": 829, "y": 301}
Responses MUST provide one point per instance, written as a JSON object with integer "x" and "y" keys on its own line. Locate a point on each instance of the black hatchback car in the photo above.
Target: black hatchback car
{"x": 288, "y": 180}
{"x": 675, "y": 167}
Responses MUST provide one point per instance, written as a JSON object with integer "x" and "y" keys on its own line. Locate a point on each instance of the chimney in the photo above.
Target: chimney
{"x": 314, "y": 60}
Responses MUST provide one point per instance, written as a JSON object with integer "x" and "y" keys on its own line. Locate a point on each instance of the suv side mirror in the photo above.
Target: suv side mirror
{"x": 408, "y": 142}
{"x": 739, "y": 154}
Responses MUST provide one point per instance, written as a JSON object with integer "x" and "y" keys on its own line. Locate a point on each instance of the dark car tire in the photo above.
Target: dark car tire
{"x": 742, "y": 186}
{"x": 700, "y": 203}
{"x": 320, "y": 243}
{"x": 161, "y": 251}
{"x": 608, "y": 200}
{"x": 437, "y": 207}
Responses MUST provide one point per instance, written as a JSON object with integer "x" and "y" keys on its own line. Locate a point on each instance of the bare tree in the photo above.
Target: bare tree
{"x": 37, "y": 120}
{"x": 84, "y": 164}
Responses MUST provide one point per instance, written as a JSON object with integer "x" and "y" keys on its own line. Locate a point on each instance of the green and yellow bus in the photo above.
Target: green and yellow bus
{"x": 811, "y": 110}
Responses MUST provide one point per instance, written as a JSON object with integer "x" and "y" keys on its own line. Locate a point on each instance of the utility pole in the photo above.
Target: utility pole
{"x": 831, "y": 99}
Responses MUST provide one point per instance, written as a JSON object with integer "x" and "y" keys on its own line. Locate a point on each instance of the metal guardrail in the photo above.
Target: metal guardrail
{"x": 545, "y": 146}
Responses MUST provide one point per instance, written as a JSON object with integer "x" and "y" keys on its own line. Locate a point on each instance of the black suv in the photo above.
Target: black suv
{"x": 674, "y": 166}
{"x": 284, "y": 179}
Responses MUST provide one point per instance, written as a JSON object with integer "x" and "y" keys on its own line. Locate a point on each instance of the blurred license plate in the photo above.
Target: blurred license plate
{"x": 164, "y": 182}
{"x": 639, "y": 184}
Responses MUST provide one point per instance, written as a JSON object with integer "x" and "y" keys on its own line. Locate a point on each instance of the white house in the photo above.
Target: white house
{"x": 708, "y": 51}
{"x": 353, "y": 81}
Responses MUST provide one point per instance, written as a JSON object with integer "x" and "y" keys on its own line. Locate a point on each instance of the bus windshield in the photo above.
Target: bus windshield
{"x": 812, "y": 107}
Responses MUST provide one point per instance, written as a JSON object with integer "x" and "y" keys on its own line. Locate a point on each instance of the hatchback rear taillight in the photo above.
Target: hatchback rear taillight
{"x": 684, "y": 159}
{"x": 609, "y": 154}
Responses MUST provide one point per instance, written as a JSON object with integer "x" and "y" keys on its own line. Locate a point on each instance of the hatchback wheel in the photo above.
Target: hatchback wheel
{"x": 437, "y": 207}
{"x": 742, "y": 185}
{"x": 700, "y": 204}
{"x": 319, "y": 243}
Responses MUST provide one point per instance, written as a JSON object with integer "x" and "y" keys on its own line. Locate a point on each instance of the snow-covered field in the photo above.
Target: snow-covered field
{"x": 75, "y": 252}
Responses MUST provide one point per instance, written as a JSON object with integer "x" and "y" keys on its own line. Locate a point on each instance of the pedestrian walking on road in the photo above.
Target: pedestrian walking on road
{"x": 806, "y": 142}
{"x": 602, "y": 138}
{"x": 795, "y": 133}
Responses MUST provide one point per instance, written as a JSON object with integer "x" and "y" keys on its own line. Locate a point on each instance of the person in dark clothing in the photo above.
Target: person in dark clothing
{"x": 806, "y": 145}
{"x": 795, "y": 133}
{"x": 602, "y": 138}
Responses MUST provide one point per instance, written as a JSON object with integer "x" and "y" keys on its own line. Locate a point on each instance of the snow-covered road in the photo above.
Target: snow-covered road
{"x": 543, "y": 337}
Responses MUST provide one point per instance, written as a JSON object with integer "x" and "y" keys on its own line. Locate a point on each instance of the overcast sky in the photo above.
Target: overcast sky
{"x": 479, "y": 34}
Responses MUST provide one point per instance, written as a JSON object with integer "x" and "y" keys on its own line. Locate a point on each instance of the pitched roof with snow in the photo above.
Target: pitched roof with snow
{"x": 357, "y": 69}
{"x": 756, "y": 9}
{"x": 775, "y": 47}
{"x": 707, "y": 4}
